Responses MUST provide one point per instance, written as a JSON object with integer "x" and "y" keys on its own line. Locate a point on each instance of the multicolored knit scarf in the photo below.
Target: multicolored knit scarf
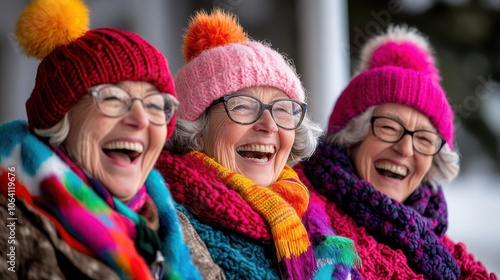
{"x": 223, "y": 198}
{"x": 141, "y": 202}
{"x": 281, "y": 205}
{"x": 414, "y": 226}
{"x": 108, "y": 232}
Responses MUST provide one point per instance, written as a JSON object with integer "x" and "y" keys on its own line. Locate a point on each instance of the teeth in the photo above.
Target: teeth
{"x": 257, "y": 148}
{"x": 261, "y": 160}
{"x": 396, "y": 169}
{"x": 122, "y": 145}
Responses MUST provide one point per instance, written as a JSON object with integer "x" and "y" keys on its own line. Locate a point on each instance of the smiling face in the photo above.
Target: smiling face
{"x": 259, "y": 150}
{"x": 119, "y": 152}
{"x": 394, "y": 169}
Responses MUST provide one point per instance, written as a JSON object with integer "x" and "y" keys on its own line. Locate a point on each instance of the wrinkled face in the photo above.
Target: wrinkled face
{"x": 394, "y": 169}
{"x": 259, "y": 150}
{"x": 121, "y": 151}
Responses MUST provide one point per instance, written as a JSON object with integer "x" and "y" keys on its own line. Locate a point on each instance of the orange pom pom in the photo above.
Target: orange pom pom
{"x": 206, "y": 31}
{"x": 47, "y": 24}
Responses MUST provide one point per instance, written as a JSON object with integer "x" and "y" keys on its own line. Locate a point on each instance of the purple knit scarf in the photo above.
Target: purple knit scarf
{"x": 414, "y": 226}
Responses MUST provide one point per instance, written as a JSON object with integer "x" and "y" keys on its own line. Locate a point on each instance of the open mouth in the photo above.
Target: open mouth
{"x": 123, "y": 151}
{"x": 257, "y": 153}
{"x": 391, "y": 170}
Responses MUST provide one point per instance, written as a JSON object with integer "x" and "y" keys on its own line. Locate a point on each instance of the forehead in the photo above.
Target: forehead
{"x": 405, "y": 115}
{"x": 264, "y": 94}
{"x": 135, "y": 85}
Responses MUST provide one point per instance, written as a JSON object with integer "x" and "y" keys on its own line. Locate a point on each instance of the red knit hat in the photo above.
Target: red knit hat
{"x": 74, "y": 59}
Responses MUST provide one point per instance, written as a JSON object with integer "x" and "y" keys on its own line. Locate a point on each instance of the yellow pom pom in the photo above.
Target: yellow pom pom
{"x": 47, "y": 24}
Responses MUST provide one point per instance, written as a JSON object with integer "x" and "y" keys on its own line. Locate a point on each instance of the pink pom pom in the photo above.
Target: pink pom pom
{"x": 405, "y": 55}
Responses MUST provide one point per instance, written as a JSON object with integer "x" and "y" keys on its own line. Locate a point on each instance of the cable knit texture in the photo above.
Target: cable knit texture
{"x": 395, "y": 240}
{"x": 242, "y": 235}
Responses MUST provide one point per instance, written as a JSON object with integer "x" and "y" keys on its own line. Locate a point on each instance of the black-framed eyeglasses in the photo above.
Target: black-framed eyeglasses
{"x": 425, "y": 142}
{"x": 114, "y": 101}
{"x": 245, "y": 109}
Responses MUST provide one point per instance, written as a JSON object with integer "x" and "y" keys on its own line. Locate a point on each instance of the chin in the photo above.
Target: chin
{"x": 395, "y": 197}
{"x": 264, "y": 183}
{"x": 259, "y": 180}
{"x": 124, "y": 193}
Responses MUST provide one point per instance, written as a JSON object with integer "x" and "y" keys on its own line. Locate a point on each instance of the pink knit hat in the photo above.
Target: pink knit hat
{"x": 74, "y": 59}
{"x": 221, "y": 60}
{"x": 396, "y": 67}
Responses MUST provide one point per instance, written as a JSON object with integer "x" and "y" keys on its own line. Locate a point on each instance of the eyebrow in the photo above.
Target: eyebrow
{"x": 398, "y": 119}
{"x": 152, "y": 88}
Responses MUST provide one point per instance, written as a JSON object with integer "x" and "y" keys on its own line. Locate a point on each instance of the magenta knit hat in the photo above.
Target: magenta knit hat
{"x": 221, "y": 60}
{"x": 396, "y": 67}
{"x": 71, "y": 64}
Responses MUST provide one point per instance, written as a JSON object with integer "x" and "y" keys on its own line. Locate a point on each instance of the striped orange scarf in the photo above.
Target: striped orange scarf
{"x": 281, "y": 204}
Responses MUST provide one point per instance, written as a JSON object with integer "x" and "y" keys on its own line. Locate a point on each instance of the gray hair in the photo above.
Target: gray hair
{"x": 188, "y": 134}
{"x": 57, "y": 133}
{"x": 445, "y": 165}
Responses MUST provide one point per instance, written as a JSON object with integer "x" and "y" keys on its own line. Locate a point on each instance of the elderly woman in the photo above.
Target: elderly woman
{"x": 78, "y": 189}
{"x": 242, "y": 118}
{"x": 389, "y": 147}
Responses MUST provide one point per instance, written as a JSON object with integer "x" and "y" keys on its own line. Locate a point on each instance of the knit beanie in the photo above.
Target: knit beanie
{"x": 75, "y": 59}
{"x": 221, "y": 59}
{"x": 396, "y": 67}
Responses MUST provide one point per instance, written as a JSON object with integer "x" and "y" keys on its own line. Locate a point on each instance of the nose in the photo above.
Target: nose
{"x": 136, "y": 116}
{"x": 404, "y": 146}
{"x": 266, "y": 123}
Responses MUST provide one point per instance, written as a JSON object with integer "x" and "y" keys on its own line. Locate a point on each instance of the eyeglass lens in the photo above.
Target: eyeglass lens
{"x": 424, "y": 141}
{"x": 114, "y": 101}
{"x": 246, "y": 110}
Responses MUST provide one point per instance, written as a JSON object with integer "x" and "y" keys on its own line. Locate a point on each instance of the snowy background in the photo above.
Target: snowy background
{"x": 474, "y": 214}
